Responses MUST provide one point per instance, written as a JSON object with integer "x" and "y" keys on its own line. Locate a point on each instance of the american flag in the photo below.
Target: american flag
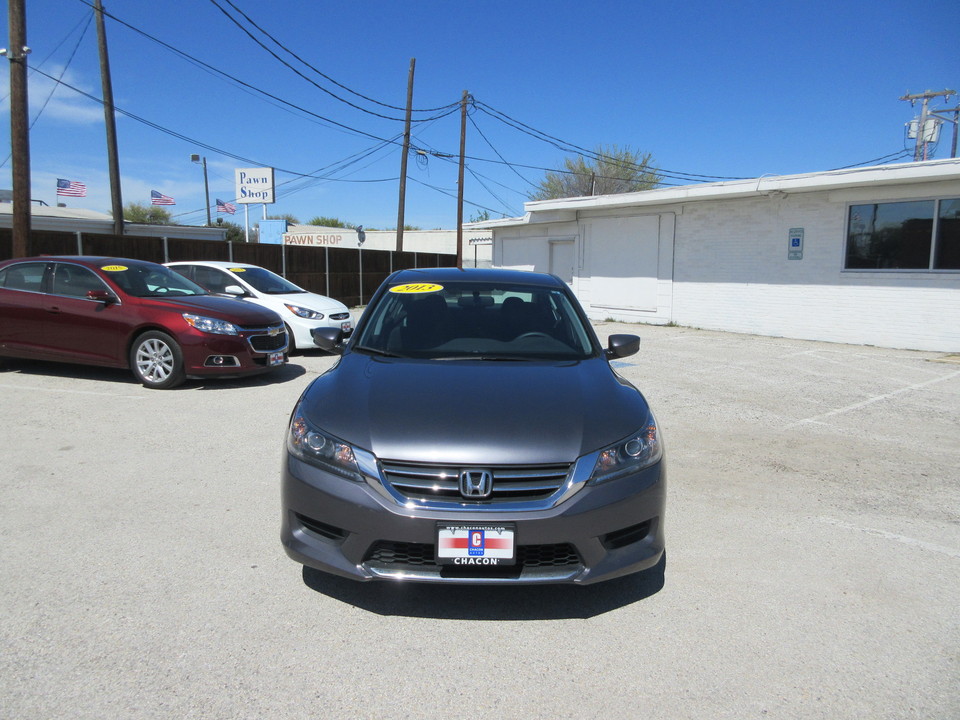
{"x": 225, "y": 207}
{"x": 71, "y": 188}
{"x": 160, "y": 199}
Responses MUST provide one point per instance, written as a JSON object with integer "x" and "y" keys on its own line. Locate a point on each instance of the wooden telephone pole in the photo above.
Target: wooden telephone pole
{"x": 110, "y": 122}
{"x": 19, "y": 127}
{"x": 403, "y": 158}
{"x": 463, "y": 147}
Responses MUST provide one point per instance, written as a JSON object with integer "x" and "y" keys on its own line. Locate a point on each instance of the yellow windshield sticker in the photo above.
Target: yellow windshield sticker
{"x": 238, "y": 269}
{"x": 114, "y": 268}
{"x": 416, "y": 288}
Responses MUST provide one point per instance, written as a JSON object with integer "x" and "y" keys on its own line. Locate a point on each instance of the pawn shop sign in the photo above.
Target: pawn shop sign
{"x": 254, "y": 185}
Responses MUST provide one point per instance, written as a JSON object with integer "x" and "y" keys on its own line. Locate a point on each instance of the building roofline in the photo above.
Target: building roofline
{"x": 904, "y": 173}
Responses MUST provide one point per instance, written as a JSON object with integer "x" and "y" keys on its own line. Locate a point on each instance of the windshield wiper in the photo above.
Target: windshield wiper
{"x": 377, "y": 351}
{"x": 486, "y": 357}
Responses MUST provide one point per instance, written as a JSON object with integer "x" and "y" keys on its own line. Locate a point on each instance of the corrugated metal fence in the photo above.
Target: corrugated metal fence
{"x": 351, "y": 276}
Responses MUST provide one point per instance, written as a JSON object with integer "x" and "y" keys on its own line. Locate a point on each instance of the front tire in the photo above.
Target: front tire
{"x": 157, "y": 361}
{"x": 291, "y": 343}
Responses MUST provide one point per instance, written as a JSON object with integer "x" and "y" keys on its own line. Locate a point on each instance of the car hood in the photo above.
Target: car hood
{"x": 308, "y": 300}
{"x": 475, "y": 412}
{"x": 223, "y": 308}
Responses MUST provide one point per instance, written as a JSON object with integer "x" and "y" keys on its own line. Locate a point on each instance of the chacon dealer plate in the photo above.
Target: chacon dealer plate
{"x": 478, "y": 544}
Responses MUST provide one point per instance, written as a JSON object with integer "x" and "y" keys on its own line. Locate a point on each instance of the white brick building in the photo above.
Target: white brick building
{"x": 868, "y": 256}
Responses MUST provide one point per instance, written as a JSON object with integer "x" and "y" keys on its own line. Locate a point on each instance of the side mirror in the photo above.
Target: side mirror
{"x": 104, "y": 296}
{"x": 235, "y": 290}
{"x": 621, "y": 346}
{"x": 328, "y": 338}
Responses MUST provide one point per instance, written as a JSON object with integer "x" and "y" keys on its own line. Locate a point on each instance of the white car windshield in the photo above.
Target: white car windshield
{"x": 265, "y": 281}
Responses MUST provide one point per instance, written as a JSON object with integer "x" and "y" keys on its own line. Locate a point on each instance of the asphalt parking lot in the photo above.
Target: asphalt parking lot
{"x": 813, "y": 556}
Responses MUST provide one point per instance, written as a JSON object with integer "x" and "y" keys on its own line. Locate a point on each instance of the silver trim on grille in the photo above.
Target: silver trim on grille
{"x": 269, "y": 331}
{"x": 515, "y": 489}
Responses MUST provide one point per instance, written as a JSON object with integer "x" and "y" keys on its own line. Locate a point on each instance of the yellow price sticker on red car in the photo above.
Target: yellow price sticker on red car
{"x": 114, "y": 268}
{"x": 416, "y": 288}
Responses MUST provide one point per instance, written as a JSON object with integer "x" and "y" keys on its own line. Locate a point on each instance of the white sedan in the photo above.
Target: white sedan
{"x": 301, "y": 310}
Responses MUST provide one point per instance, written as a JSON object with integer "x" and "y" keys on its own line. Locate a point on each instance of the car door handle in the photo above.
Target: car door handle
{"x": 53, "y": 309}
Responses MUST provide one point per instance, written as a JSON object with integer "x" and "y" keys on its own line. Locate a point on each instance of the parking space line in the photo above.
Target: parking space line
{"x": 893, "y": 536}
{"x": 875, "y": 399}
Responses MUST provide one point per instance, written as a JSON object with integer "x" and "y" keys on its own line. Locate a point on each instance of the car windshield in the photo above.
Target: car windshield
{"x": 472, "y": 320}
{"x": 150, "y": 280}
{"x": 265, "y": 281}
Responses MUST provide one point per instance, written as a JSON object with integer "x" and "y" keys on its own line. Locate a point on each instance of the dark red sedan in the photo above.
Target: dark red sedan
{"x": 132, "y": 314}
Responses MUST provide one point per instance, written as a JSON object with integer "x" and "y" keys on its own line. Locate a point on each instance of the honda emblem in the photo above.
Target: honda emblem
{"x": 476, "y": 484}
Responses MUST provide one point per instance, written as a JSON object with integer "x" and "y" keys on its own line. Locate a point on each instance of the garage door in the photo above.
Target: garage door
{"x": 624, "y": 254}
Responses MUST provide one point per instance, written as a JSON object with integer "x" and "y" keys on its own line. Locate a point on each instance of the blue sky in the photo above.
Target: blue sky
{"x": 733, "y": 89}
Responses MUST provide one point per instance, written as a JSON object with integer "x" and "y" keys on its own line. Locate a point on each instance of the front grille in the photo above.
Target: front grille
{"x": 441, "y": 482}
{"x": 263, "y": 342}
{"x": 340, "y": 316}
{"x": 389, "y": 555}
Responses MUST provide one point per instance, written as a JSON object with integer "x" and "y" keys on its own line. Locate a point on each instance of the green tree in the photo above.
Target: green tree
{"x": 292, "y": 219}
{"x": 324, "y": 221}
{"x": 613, "y": 170}
{"x": 234, "y": 232}
{"x": 146, "y": 214}
{"x": 480, "y": 216}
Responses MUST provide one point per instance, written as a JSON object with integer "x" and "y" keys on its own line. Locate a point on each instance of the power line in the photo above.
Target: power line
{"x": 314, "y": 69}
{"x": 487, "y": 140}
{"x": 300, "y": 74}
{"x": 882, "y": 159}
{"x": 238, "y": 81}
{"x": 66, "y": 66}
{"x": 566, "y": 146}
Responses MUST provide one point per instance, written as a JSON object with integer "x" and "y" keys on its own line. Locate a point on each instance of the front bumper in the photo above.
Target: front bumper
{"x": 300, "y": 330}
{"x": 211, "y": 355}
{"x": 349, "y": 529}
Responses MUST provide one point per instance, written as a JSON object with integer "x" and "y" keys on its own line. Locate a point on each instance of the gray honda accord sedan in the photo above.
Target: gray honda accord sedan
{"x": 474, "y": 431}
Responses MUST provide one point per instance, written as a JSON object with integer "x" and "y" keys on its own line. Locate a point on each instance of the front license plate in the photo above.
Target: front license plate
{"x": 275, "y": 359}
{"x": 345, "y": 327}
{"x": 493, "y": 544}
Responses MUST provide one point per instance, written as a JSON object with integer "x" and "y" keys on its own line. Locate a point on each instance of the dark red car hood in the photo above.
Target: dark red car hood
{"x": 235, "y": 311}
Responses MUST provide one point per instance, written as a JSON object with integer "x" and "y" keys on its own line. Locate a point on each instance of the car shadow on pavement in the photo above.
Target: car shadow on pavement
{"x": 489, "y": 602}
{"x": 122, "y": 376}
{"x": 288, "y": 372}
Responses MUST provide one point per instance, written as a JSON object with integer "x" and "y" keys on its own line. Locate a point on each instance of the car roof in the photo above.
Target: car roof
{"x": 214, "y": 263}
{"x": 94, "y": 261}
{"x": 478, "y": 275}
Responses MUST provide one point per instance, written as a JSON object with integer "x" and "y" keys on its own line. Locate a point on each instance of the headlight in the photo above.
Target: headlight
{"x": 304, "y": 312}
{"x": 211, "y": 325}
{"x": 306, "y": 442}
{"x": 640, "y": 450}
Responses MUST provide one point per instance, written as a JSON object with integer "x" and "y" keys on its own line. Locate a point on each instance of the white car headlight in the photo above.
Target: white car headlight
{"x": 634, "y": 453}
{"x": 304, "y": 312}
{"x": 211, "y": 325}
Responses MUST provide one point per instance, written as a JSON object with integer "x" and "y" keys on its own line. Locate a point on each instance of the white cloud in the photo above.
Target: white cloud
{"x": 55, "y": 102}
{"x": 60, "y": 103}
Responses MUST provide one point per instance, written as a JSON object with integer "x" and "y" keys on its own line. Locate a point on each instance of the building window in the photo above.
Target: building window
{"x": 948, "y": 236}
{"x": 911, "y": 235}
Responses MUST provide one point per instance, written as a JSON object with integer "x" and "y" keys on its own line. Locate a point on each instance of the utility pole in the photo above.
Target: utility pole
{"x": 403, "y": 159}
{"x": 110, "y": 122}
{"x": 463, "y": 148}
{"x": 920, "y": 150}
{"x": 195, "y": 158}
{"x": 19, "y": 127}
